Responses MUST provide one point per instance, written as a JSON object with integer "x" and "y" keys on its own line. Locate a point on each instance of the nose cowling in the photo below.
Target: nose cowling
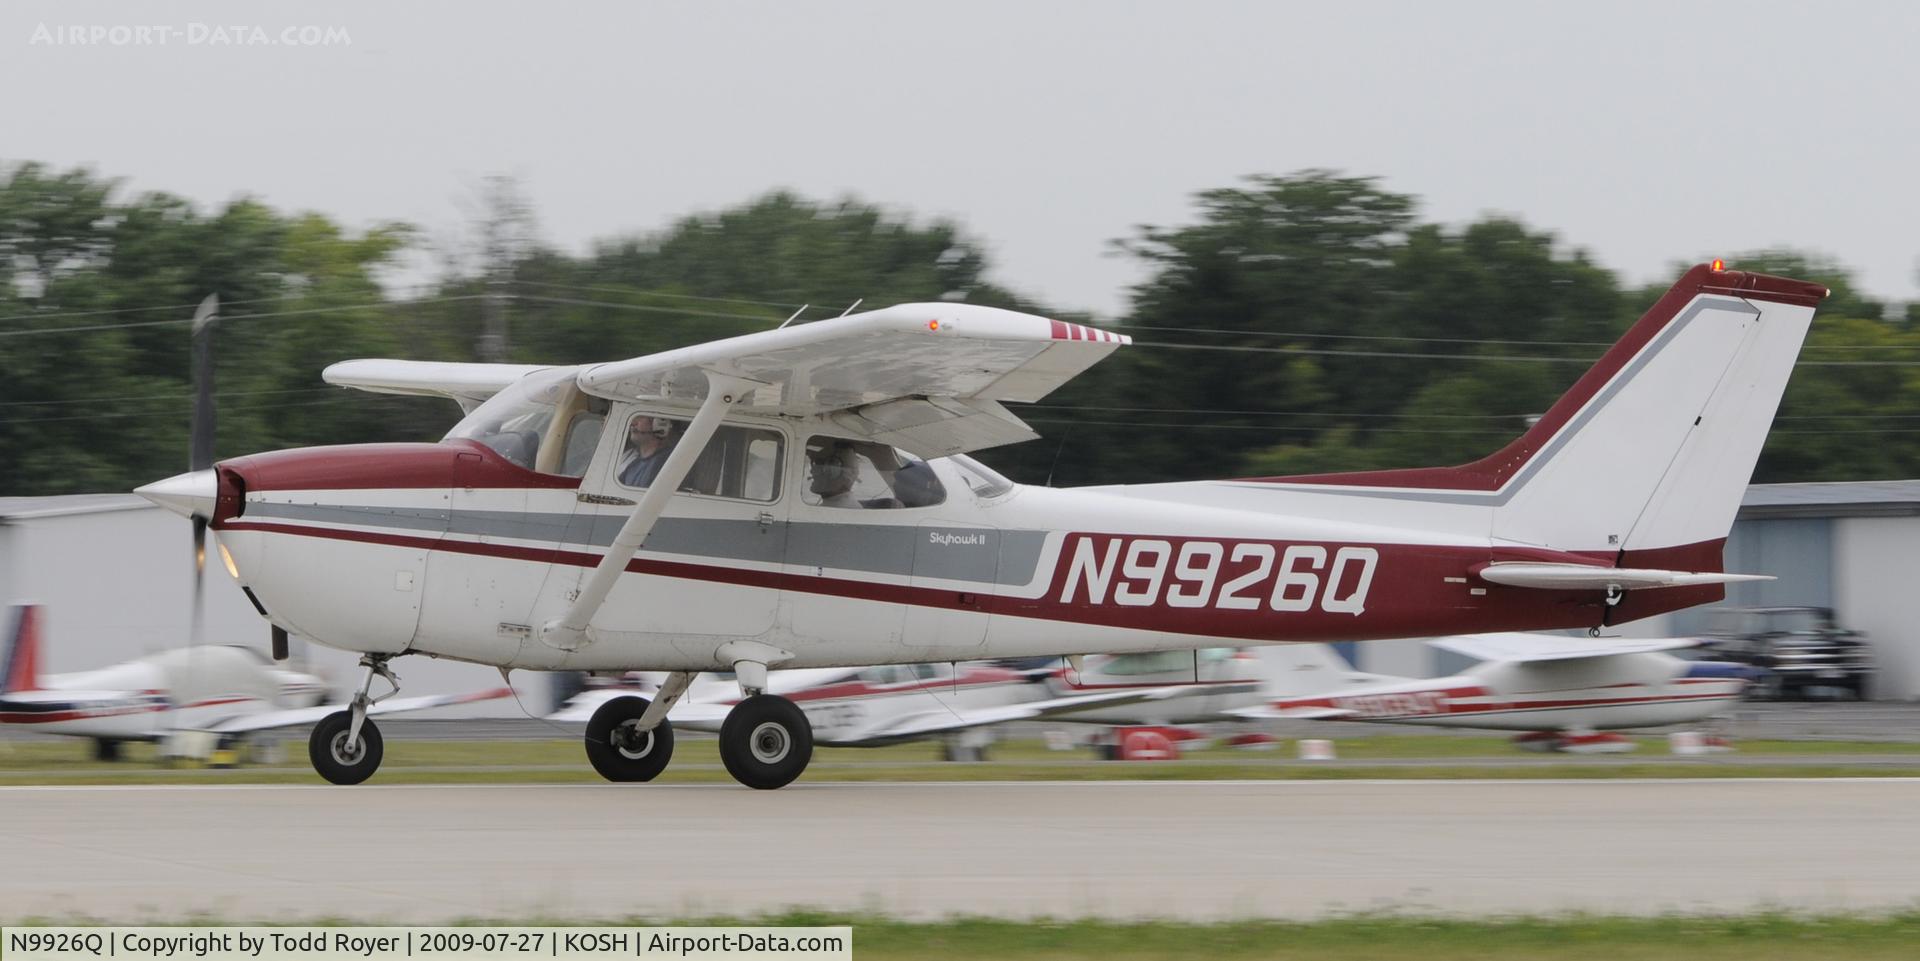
{"x": 192, "y": 494}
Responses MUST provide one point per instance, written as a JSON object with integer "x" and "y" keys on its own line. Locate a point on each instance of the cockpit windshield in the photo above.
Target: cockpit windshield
{"x": 519, "y": 423}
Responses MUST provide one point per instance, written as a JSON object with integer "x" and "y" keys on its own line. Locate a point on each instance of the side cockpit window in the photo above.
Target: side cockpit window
{"x": 742, "y": 463}
{"x": 863, "y": 475}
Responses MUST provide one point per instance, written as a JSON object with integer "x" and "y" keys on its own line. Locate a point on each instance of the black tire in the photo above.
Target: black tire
{"x": 106, "y": 749}
{"x": 961, "y": 753}
{"x": 766, "y": 742}
{"x": 619, "y": 750}
{"x": 326, "y": 748}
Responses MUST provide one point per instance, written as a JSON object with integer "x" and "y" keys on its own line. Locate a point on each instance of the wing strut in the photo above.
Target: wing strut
{"x": 569, "y": 631}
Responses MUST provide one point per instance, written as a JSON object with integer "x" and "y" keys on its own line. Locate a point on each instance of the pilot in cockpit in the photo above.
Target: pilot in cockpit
{"x": 649, "y": 441}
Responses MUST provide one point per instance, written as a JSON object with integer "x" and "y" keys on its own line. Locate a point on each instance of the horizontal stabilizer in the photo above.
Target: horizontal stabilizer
{"x": 1549, "y": 647}
{"x": 1576, "y": 577}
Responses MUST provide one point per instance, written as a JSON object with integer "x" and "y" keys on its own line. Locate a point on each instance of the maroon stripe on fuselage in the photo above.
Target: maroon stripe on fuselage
{"x": 1488, "y": 473}
{"x": 1410, "y": 592}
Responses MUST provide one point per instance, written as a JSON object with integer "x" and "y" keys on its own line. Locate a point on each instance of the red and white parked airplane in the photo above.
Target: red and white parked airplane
{"x": 1558, "y": 690}
{"x": 777, "y": 484}
{"x": 229, "y": 692}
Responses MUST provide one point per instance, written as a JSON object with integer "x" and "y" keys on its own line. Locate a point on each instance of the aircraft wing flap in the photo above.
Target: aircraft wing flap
{"x": 468, "y": 384}
{"x": 310, "y": 715}
{"x": 936, "y": 426}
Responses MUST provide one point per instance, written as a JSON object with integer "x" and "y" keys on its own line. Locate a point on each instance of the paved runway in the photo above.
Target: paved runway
{"x": 1176, "y": 849}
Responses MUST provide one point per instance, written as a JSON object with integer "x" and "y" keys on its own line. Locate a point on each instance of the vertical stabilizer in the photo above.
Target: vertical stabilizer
{"x": 22, "y": 657}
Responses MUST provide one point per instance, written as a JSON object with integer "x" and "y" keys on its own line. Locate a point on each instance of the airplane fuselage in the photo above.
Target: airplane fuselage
{"x": 450, "y": 550}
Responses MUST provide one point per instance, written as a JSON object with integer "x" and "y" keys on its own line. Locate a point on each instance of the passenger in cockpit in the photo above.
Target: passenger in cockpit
{"x": 833, "y": 473}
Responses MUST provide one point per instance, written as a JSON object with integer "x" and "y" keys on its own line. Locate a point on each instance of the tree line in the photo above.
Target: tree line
{"x": 1299, "y": 323}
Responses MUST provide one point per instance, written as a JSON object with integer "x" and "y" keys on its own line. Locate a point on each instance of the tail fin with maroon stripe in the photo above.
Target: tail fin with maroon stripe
{"x": 20, "y": 662}
{"x": 1646, "y": 458}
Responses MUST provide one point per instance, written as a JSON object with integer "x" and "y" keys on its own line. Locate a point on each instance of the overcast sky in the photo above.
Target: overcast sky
{"x": 1645, "y": 133}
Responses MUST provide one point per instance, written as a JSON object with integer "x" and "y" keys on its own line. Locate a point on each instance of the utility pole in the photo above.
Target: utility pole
{"x": 506, "y": 234}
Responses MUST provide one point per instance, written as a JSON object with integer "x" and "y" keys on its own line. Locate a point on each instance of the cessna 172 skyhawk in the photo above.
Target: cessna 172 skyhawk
{"x": 777, "y": 483}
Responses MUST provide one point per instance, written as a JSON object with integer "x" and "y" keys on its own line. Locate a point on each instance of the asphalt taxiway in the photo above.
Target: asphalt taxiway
{"x": 1113, "y": 849}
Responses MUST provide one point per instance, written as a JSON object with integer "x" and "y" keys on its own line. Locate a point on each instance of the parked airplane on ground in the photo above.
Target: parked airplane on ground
{"x": 777, "y": 483}
{"x": 886, "y": 704}
{"x": 225, "y": 691}
{"x": 1558, "y": 690}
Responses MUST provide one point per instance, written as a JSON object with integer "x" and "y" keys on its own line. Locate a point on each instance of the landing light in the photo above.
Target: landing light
{"x": 227, "y": 559}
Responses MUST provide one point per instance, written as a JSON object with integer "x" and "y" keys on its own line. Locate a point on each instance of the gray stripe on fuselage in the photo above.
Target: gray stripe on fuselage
{"x": 1539, "y": 461}
{"x": 999, "y": 557}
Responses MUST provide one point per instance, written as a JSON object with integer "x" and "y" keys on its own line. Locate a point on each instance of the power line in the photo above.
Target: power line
{"x": 115, "y": 415}
{"x": 127, "y": 310}
{"x": 1267, "y": 413}
{"x": 1265, "y": 427}
{"x": 644, "y": 308}
{"x": 383, "y": 304}
{"x": 1505, "y": 358}
{"x": 655, "y": 292}
{"x": 173, "y": 396}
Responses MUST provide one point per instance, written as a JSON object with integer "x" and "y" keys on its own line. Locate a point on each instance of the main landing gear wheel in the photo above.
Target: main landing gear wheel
{"x": 617, "y": 747}
{"x": 334, "y": 759}
{"x": 766, "y": 742}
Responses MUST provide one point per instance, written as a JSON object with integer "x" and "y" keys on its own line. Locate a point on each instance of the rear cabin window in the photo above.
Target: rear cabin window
{"x": 742, "y": 463}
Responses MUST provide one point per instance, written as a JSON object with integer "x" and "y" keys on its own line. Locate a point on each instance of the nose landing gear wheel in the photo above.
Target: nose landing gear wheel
{"x": 766, "y": 742}
{"x": 617, "y": 747}
{"x": 337, "y": 762}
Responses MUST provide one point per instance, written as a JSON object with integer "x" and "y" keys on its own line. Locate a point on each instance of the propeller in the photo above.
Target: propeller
{"x": 200, "y": 443}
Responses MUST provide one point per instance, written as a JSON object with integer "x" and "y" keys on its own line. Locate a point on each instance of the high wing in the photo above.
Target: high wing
{"x": 1546, "y": 647}
{"x": 708, "y": 717}
{"x": 243, "y": 723}
{"x": 467, "y": 384}
{"x": 929, "y": 378}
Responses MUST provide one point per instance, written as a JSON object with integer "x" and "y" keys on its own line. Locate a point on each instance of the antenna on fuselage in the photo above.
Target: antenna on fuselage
{"x": 796, "y": 315}
{"x": 857, "y": 302}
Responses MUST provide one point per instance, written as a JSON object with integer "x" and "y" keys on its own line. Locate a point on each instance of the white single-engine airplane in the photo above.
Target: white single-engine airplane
{"x": 803, "y": 500}
{"x": 226, "y": 691}
{"x": 1557, "y": 690}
